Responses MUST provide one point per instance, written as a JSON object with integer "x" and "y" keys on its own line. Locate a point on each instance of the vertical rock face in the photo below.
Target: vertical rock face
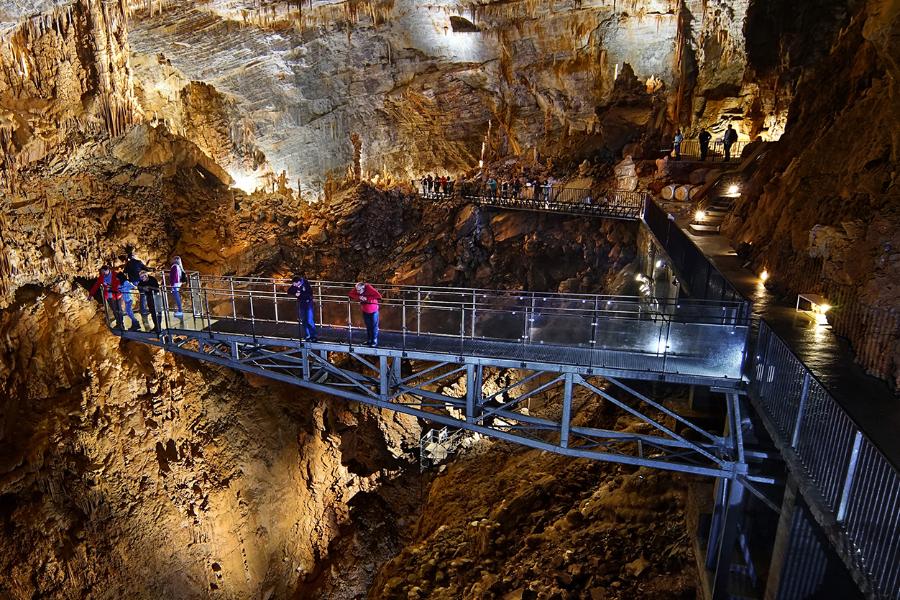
{"x": 418, "y": 91}
{"x": 69, "y": 65}
{"x": 822, "y": 213}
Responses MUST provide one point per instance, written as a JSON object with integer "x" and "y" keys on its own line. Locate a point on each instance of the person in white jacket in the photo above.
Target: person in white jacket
{"x": 177, "y": 276}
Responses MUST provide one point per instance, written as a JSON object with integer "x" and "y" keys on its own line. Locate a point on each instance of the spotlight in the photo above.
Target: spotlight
{"x": 764, "y": 275}
{"x": 659, "y": 264}
{"x": 734, "y": 189}
{"x": 700, "y": 215}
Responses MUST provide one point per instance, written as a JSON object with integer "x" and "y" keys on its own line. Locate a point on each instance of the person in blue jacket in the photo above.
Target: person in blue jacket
{"x": 305, "y": 307}
{"x": 127, "y": 288}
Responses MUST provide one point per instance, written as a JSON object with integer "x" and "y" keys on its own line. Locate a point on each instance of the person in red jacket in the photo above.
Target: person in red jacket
{"x": 368, "y": 297}
{"x": 110, "y": 284}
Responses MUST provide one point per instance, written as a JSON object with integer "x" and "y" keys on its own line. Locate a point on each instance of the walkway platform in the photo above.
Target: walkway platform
{"x": 434, "y": 342}
{"x": 870, "y": 402}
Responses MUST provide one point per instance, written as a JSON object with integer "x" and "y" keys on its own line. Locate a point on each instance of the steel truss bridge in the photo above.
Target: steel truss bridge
{"x": 438, "y": 346}
{"x": 567, "y": 350}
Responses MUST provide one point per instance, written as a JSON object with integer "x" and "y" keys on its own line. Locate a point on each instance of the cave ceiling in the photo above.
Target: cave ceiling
{"x": 266, "y": 89}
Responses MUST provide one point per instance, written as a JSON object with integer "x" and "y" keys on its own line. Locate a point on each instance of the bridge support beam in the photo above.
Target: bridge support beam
{"x": 726, "y": 519}
{"x": 803, "y": 561}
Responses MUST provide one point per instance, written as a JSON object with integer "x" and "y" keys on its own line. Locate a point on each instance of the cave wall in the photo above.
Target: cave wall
{"x": 822, "y": 213}
{"x": 128, "y": 471}
{"x": 281, "y": 89}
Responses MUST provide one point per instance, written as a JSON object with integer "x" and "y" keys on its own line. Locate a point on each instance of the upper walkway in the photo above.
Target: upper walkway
{"x": 609, "y": 204}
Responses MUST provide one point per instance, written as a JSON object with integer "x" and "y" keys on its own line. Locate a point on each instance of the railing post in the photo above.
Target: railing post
{"x": 319, "y": 295}
{"x": 462, "y": 327}
{"x": 403, "y": 316}
{"x": 196, "y": 302}
{"x": 349, "y": 323}
{"x": 233, "y": 305}
{"x": 474, "y": 310}
{"x": 418, "y": 311}
{"x": 165, "y": 308}
{"x": 252, "y": 316}
{"x": 275, "y": 300}
{"x": 795, "y": 436}
{"x": 848, "y": 479}
{"x": 208, "y": 314}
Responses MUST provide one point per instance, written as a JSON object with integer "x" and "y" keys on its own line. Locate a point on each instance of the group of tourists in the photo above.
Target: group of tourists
{"x": 517, "y": 188}
{"x": 704, "y": 137}
{"x": 134, "y": 288}
{"x": 432, "y": 186}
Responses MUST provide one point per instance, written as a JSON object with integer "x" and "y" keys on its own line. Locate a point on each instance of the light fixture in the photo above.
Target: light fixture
{"x": 700, "y": 215}
{"x": 734, "y": 189}
{"x": 764, "y": 275}
{"x": 818, "y": 306}
{"x": 659, "y": 264}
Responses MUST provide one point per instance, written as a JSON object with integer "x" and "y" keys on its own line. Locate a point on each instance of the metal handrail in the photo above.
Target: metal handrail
{"x": 609, "y": 306}
{"x": 658, "y": 331}
{"x": 591, "y": 202}
{"x": 690, "y": 150}
{"x": 845, "y": 476}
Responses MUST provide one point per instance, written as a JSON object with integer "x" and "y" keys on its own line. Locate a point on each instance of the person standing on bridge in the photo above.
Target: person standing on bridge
{"x": 110, "y": 293}
{"x": 149, "y": 289}
{"x": 368, "y": 298}
{"x": 704, "y": 138}
{"x": 728, "y": 140}
{"x": 177, "y": 277}
{"x": 133, "y": 268}
{"x": 127, "y": 288}
{"x": 305, "y": 307}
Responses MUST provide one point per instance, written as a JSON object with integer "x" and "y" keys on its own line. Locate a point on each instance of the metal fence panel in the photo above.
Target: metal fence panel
{"x": 866, "y": 492}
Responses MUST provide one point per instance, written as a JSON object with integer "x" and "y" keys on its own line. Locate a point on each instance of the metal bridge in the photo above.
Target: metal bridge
{"x": 608, "y": 204}
{"x": 440, "y": 347}
{"x": 435, "y": 341}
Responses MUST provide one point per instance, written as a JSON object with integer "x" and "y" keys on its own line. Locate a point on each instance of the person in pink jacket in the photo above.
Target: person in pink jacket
{"x": 368, "y": 297}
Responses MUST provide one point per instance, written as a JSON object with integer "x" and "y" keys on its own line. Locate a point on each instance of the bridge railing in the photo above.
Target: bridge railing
{"x": 615, "y": 203}
{"x": 690, "y": 150}
{"x": 843, "y": 475}
{"x": 696, "y": 271}
{"x": 710, "y": 335}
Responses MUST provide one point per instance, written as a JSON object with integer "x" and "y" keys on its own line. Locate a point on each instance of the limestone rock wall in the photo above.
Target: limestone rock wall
{"x": 127, "y": 471}
{"x": 420, "y": 94}
{"x": 62, "y": 70}
{"x": 822, "y": 213}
